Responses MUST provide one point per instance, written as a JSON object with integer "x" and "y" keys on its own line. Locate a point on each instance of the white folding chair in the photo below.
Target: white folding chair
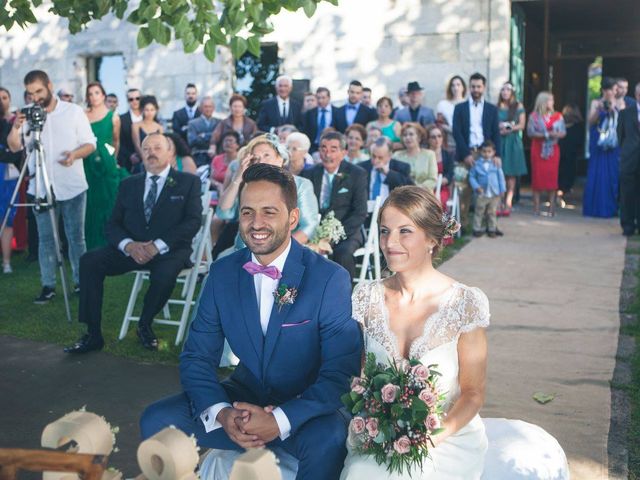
{"x": 371, "y": 246}
{"x": 438, "y": 186}
{"x": 201, "y": 259}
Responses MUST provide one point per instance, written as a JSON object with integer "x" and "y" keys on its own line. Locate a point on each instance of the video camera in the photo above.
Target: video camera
{"x": 36, "y": 116}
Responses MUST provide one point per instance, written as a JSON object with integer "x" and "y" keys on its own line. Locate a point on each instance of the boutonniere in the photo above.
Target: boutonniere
{"x": 171, "y": 182}
{"x": 285, "y": 295}
{"x": 342, "y": 176}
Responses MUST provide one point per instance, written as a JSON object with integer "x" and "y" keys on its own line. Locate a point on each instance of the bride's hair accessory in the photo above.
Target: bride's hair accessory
{"x": 450, "y": 225}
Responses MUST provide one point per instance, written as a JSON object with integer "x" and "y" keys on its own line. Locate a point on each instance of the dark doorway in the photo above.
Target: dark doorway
{"x": 255, "y": 77}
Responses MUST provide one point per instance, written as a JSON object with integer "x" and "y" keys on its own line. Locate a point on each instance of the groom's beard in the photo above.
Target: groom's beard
{"x": 274, "y": 240}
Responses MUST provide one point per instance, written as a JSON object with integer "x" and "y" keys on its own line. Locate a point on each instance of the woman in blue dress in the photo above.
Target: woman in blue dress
{"x": 601, "y": 190}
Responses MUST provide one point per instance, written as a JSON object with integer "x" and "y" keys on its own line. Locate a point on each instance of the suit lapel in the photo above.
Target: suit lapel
{"x": 249, "y": 306}
{"x": 139, "y": 203}
{"x": 337, "y": 182}
{"x": 291, "y": 277}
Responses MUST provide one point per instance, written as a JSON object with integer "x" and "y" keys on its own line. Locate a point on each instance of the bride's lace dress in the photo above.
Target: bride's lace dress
{"x": 461, "y": 309}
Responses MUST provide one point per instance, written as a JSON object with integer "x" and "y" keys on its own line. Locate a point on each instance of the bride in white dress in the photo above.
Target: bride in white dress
{"x": 421, "y": 313}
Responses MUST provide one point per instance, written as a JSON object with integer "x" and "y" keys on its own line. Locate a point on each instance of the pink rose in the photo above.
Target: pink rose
{"x": 432, "y": 422}
{"x": 357, "y": 425}
{"x": 402, "y": 445}
{"x": 389, "y": 392}
{"x": 356, "y": 386}
{"x": 428, "y": 396}
{"x": 420, "y": 371}
{"x": 372, "y": 427}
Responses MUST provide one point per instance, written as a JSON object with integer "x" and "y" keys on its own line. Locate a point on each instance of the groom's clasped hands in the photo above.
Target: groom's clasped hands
{"x": 248, "y": 425}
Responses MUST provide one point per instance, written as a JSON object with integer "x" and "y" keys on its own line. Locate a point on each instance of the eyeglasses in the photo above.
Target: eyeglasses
{"x": 131, "y": 99}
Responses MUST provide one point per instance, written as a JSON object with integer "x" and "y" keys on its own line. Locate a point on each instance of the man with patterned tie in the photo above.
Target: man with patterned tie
{"x": 317, "y": 119}
{"x": 154, "y": 220}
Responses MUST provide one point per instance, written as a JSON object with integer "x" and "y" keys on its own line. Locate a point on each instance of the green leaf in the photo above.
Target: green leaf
{"x": 238, "y": 46}
{"x": 144, "y": 37}
{"x": 309, "y": 8}
{"x": 210, "y": 50}
{"x": 381, "y": 380}
{"x": 543, "y": 398}
{"x": 358, "y": 406}
{"x": 216, "y": 33}
{"x": 346, "y": 400}
{"x": 253, "y": 45}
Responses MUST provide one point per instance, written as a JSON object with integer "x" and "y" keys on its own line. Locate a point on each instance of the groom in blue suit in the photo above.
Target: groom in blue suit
{"x": 286, "y": 313}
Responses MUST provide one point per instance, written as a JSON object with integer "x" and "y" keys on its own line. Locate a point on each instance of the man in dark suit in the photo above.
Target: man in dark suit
{"x": 152, "y": 225}
{"x": 474, "y": 121}
{"x": 385, "y": 173}
{"x": 182, "y": 117}
{"x": 281, "y": 109}
{"x": 354, "y": 111}
{"x": 629, "y": 140}
{"x": 126, "y": 120}
{"x": 317, "y": 119}
{"x": 340, "y": 187}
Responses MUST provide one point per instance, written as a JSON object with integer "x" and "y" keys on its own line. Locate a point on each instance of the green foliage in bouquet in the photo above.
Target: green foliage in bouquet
{"x": 330, "y": 230}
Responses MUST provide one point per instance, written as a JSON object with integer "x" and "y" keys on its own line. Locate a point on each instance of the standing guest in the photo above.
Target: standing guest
{"x": 127, "y": 156}
{"x": 424, "y": 167}
{"x": 415, "y": 111}
{"x": 281, "y": 109}
{"x": 153, "y": 223}
{"x": 603, "y": 172}
{"x": 487, "y": 180}
{"x": 403, "y": 100}
{"x": 571, "y": 147}
{"x": 181, "y": 159}
{"x": 67, "y": 139}
{"x": 101, "y": 167}
{"x": 283, "y": 131}
{"x": 298, "y": 145}
{"x": 390, "y": 128}
{"x": 545, "y": 127}
{"x": 474, "y": 122}
{"x": 220, "y": 163}
{"x": 199, "y": 132}
{"x": 341, "y": 187}
{"x": 512, "y": 119}
{"x": 237, "y": 121}
{"x": 622, "y": 99}
{"x": 629, "y": 138}
{"x": 112, "y": 102}
{"x": 309, "y": 101}
{"x": 373, "y": 134}
{"x": 317, "y": 119}
{"x": 385, "y": 173}
{"x": 444, "y": 160}
{"x": 182, "y": 117}
{"x": 366, "y": 97}
{"x": 456, "y": 93}
{"x": 148, "y": 125}
{"x": 63, "y": 93}
{"x": 356, "y": 138}
{"x": 353, "y": 111}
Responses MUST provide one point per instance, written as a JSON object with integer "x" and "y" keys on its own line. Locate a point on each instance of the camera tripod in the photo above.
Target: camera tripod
{"x": 41, "y": 202}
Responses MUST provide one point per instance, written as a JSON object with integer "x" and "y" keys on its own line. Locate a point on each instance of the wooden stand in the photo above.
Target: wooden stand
{"x": 89, "y": 467}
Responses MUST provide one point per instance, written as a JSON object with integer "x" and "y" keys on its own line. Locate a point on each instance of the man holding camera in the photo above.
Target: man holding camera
{"x": 66, "y": 139}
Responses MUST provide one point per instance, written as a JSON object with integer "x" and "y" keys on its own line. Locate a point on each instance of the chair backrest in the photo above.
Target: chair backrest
{"x": 205, "y": 195}
{"x": 438, "y": 186}
{"x": 200, "y": 240}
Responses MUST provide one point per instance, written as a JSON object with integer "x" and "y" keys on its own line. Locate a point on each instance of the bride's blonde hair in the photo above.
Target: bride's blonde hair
{"x": 425, "y": 210}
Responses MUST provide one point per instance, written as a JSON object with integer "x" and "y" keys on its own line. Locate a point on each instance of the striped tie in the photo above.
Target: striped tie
{"x": 150, "y": 201}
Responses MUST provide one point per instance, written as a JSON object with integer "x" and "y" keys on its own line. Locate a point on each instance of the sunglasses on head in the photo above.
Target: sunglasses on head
{"x": 131, "y": 99}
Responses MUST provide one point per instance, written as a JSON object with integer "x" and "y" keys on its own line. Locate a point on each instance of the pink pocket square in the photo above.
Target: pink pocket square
{"x": 286, "y": 325}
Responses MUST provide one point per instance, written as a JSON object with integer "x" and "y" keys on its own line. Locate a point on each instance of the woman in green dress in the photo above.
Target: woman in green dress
{"x": 101, "y": 167}
{"x": 512, "y": 118}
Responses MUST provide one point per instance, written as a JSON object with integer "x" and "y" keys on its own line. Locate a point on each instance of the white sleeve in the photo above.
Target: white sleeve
{"x": 83, "y": 129}
{"x": 283, "y": 423}
{"x": 123, "y": 244}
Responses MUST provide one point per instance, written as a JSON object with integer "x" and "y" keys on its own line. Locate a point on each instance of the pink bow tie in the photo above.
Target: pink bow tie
{"x": 270, "y": 271}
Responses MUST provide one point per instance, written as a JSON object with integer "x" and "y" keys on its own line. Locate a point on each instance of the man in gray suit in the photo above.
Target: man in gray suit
{"x": 629, "y": 140}
{"x": 415, "y": 111}
{"x": 199, "y": 132}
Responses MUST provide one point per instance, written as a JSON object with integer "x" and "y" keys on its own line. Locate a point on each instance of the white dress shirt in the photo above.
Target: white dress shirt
{"x": 265, "y": 286}
{"x": 65, "y": 129}
{"x": 286, "y": 104}
{"x": 350, "y": 112}
{"x": 135, "y": 118}
{"x": 476, "y": 134}
{"x": 191, "y": 111}
{"x": 160, "y": 245}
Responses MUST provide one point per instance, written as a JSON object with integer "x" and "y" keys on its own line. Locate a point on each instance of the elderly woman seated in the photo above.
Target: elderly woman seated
{"x": 298, "y": 145}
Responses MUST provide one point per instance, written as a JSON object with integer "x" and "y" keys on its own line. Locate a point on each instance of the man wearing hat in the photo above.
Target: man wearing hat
{"x": 65, "y": 94}
{"x": 415, "y": 111}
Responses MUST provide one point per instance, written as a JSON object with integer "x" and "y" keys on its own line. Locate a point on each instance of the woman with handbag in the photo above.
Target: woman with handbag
{"x": 601, "y": 190}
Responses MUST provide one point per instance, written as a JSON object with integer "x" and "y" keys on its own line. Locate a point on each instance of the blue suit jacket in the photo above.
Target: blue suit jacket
{"x": 311, "y": 349}
{"x": 462, "y": 125}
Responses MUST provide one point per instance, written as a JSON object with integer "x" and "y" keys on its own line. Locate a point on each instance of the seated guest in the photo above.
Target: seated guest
{"x": 199, "y": 132}
{"x": 317, "y": 119}
{"x": 389, "y": 127}
{"x": 281, "y": 109}
{"x": 373, "y": 134}
{"x": 424, "y": 167}
{"x": 283, "y": 131}
{"x": 308, "y": 102}
{"x": 182, "y": 116}
{"x": 444, "y": 160}
{"x": 220, "y": 163}
{"x": 356, "y": 138}
{"x": 353, "y": 111}
{"x": 237, "y": 121}
{"x": 415, "y": 111}
{"x": 341, "y": 187}
{"x": 298, "y": 145}
{"x": 181, "y": 159}
{"x": 267, "y": 149}
{"x": 154, "y": 236}
{"x": 385, "y": 173}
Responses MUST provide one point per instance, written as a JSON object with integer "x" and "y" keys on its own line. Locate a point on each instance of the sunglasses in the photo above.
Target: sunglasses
{"x": 131, "y": 99}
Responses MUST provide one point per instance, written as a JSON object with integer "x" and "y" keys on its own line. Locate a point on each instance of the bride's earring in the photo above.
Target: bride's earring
{"x": 431, "y": 251}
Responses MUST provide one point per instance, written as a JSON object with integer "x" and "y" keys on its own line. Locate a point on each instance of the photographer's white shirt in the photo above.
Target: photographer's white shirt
{"x": 65, "y": 129}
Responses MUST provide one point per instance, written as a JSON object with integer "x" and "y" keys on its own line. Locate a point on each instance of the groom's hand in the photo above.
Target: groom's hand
{"x": 257, "y": 421}
{"x": 229, "y": 418}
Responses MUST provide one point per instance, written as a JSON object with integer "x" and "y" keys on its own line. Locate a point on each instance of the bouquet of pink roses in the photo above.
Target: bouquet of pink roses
{"x": 397, "y": 409}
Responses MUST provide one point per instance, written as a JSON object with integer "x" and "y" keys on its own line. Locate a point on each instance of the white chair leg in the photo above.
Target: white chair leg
{"x": 166, "y": 312}
{"x": 192, "y": 281}
{"x": 137, "y": 284}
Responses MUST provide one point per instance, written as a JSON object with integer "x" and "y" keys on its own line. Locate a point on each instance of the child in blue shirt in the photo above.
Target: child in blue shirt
{"x": 487, "y": 180}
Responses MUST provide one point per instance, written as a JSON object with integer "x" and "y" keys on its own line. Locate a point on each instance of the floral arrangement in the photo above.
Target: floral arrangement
{"x": 330, "y": 231}
{"x": 397, "y": 409}
{"x": 284, "y": 295}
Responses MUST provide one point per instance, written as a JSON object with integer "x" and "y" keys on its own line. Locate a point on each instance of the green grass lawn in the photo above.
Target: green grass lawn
{"x": 20, "y": 317}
